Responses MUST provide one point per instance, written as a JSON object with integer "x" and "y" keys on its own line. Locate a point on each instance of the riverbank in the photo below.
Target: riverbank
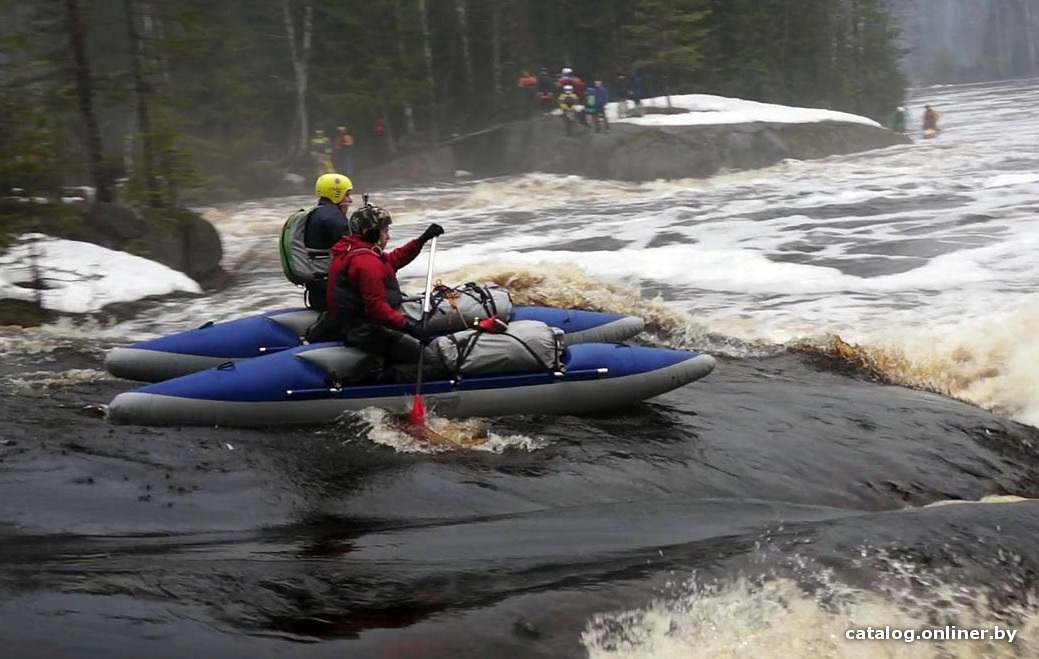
{"x": 697, "y": 136}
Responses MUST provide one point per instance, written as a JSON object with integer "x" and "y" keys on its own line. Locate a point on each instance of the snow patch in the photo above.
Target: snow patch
{"x": 82, "y": 277}
{"x": 705, "y": 109}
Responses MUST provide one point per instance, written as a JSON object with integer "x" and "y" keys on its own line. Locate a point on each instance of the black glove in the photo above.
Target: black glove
{"x": 415, "y": 330}
{"x": 431, "y": 232}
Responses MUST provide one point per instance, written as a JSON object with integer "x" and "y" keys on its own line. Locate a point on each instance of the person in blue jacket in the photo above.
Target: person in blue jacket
{"x": 602, "y": 97}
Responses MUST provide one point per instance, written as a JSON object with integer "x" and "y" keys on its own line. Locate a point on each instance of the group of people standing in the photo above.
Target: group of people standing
{"x": 336, "y": 154}
{"x": 578, "y": 102}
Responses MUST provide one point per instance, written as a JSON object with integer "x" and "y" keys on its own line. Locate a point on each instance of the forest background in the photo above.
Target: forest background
{"x": 181, "y": 101}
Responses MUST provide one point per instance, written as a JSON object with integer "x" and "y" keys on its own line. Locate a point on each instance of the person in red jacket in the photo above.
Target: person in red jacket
{"x": 364, "y": 296}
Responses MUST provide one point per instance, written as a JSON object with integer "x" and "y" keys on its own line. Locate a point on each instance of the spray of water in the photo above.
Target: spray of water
{"x": 471, "y": 434}
{"x": 801, "y": 609}
{"x": 39, "y": 382}
{"x": 988, "y": 362}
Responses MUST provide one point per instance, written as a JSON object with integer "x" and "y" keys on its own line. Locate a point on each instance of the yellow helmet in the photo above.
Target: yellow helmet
{"x": 333, "y": 187}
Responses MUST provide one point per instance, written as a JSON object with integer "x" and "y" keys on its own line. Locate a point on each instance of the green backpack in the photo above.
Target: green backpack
{"x": 301, "y": 264}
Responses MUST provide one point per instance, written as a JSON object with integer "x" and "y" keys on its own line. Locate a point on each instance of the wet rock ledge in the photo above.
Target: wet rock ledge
{"x": 634, "y": 153}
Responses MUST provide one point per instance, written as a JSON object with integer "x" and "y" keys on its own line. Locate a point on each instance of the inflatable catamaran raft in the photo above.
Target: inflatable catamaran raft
{"x": 214, "y": 344}
{"x": 549, "y": 361}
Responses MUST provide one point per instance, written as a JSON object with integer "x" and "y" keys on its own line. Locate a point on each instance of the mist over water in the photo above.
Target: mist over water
{"x": 950, "y": 41}
{"x": 761, "y": 511}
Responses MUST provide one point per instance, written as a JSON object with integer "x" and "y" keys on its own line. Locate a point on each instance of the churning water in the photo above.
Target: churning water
{"x": 763, "y": 511}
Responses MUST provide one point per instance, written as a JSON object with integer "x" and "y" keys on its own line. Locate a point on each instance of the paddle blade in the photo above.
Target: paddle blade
{"x": 418, "y": 412}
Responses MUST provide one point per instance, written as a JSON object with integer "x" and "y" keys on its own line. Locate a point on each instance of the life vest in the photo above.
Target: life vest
{"x": 319, "y": 145}
{"x": 349, "y": 306}
{"x": 301, "y": 264}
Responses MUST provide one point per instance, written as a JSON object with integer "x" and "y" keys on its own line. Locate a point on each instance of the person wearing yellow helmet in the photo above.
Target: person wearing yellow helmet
{"x": 334, "y": 188}
{"x": 327, "y": 224}
{"x": 309, "y": 234}
{"x": 321, "y": 151}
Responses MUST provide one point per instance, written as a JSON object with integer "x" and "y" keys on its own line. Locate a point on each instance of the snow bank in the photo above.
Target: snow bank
{"x": 83, "y": 277}
{"x": 705, "y": 109}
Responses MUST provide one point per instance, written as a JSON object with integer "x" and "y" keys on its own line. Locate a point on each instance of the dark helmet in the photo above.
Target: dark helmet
{"x": 368, "y": 221}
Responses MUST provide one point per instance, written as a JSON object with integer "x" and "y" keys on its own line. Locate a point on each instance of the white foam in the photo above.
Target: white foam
{"x": 736, "y": 271}
{"x": 989, "y": 360}
{"x": 773, "y": 616}
{"x": 39, "y": 381}
{"x": 464, "y": 434}
{"x": 1005, "y": 180}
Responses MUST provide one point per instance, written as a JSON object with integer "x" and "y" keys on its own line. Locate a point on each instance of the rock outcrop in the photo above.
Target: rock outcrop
{"x": 178, "y": 238}
{"x": 632, "y": 152}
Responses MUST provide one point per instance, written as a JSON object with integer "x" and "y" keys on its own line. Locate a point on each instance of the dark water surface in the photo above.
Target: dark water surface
{"x": 126, "y": 541}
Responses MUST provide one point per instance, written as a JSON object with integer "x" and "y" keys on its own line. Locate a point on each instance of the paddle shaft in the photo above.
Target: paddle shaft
{"x": 425, "y": 312}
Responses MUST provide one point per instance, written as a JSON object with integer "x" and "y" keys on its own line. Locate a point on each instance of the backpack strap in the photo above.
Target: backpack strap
{"x": 482, "y": 295}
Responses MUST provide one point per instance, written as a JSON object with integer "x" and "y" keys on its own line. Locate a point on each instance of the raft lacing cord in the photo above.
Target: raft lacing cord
{"x": 482, "y": 295}
{"x": 464, "y": 348}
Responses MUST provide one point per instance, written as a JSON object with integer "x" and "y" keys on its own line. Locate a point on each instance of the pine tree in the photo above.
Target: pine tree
{"x": 142, "y": 96}
{"x": 666, "y": 36}
{"x": 299, "y": 54}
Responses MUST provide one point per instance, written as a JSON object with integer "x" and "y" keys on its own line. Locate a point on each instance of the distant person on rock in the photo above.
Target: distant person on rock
{"x": 568, "y": 77}
{"x": 363, "y": 292}
{"x": 635, "y": 91}
{"x": 620, "y": 88}
{"x": 527, "y": 84}
{"x": 588, "y": 115}
{"x": 601, "y": 97}
{"x": 546, "y": 92}
{"x": 565, "y": 77}
{"x": 898, "y": 120}
{"x": 930, "y": 121}
{"x": 568, "y": 104}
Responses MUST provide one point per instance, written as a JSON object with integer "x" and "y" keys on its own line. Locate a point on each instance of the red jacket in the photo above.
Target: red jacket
{"x": 360, "y": 269}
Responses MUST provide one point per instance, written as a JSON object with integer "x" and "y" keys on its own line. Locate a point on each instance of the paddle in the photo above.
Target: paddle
{"x": 417, "y": 418}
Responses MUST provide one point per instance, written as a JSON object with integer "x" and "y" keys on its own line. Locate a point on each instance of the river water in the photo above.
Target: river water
{"x": 874, "y": 316}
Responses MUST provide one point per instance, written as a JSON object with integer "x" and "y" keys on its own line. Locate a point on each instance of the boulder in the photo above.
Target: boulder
{"x": 178, "y": 238}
